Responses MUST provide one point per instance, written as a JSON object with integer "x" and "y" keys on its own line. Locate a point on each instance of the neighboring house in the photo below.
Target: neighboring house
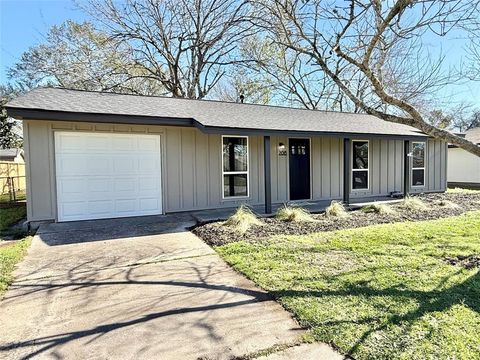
{"x": 12, "y": 155}
{"x": 100, "y": 155}
{"x": 464, "y": 167}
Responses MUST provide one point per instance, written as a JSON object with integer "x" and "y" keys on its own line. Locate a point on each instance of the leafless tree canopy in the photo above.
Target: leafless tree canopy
{"x": 368, "y": 56}
{"x": 384, "y": 41}
{"x": 76, "y": 55}
{"x": 184, "y": 44}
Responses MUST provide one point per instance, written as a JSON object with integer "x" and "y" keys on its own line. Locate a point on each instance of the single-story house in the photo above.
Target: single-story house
{"x": 93, "y": 155}
{"x": 12, "y": 155}
{"x": 463, "y": 167}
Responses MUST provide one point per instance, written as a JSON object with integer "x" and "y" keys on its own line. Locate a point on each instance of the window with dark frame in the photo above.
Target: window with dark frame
{"x": 235, "y": 166}
{"x": 360, "y": 165}
{"x": 418, "y": 163}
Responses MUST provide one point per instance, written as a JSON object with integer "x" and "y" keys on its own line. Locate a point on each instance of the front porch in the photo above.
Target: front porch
{"x": 361, "y": 171}
{"x": 206, "y": 216}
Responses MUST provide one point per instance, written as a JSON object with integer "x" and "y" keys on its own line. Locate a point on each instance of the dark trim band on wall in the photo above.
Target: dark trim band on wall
{"x": 346, "y": 171}
{"x": 294, "y": 133}
{"x": 267, "y": 174}
{"x": 406, "y": 167}
{"x": 33, "y": 114}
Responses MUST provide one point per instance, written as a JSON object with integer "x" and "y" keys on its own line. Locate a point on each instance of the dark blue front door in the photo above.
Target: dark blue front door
{"x": 299, "y": 162}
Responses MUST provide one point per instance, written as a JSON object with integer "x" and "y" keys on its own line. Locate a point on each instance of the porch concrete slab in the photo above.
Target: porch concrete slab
{"x": 362, "y": 203}
{"x": 206, "y": 216}
{"x": 165, "y": 295}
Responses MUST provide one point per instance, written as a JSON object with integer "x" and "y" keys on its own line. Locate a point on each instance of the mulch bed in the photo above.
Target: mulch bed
{"x": 216, "y": 234}
{"x": 468, "y": 262}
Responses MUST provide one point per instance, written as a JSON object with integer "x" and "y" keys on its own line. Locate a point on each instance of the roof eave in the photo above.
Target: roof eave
{"x": 300, "y": 133}
{"x": 54, "y": 115}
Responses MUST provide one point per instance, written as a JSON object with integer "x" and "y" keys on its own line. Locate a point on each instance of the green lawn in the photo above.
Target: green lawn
{"x": 379, "y": 292}
{"x": 11, "y": 215}
{"x": 9, "y": 256}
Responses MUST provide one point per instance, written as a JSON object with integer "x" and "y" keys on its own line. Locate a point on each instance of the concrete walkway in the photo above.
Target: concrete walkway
{"x": 138, "y": 288}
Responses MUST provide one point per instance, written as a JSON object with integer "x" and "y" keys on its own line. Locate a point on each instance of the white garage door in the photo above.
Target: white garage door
{"x": 107, "y": 175}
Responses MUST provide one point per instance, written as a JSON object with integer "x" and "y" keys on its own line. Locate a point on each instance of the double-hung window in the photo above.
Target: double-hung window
{"x": 235, "y": 166}
{"x": 359, "y": 165}
{"x": 418, "y": 163}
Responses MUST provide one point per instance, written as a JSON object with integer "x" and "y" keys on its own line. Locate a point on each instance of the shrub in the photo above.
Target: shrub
{"x": 414, "y": 204}
{"x": 242, "y": 220}
{"x": 383, "y": 209}
{"x": 293, "y": 214}
{"x": 336, "y": 209}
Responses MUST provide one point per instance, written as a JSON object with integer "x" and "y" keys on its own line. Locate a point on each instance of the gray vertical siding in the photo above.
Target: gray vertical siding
{"x": 385, "y": 168}
{"x": 192, "y": 174}
{"x": 436, "y": 167}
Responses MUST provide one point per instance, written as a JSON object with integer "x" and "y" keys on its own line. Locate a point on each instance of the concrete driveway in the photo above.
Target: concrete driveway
{"x": 137, "y": 288}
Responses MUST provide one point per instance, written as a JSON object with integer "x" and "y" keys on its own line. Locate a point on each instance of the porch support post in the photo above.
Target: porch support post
{"x": 346, "y": 171}
{"x": 267, "y": 173}
{"x": 406, "y": 167}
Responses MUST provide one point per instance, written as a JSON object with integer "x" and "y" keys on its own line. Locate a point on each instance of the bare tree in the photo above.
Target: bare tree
{"x": 368, "y": 36}
{"x": 76, "y": 55}
{"x": 184, "y": 44}
{"x": 462, "y": 121}
{"x": 294, "y": 79}
{"x": 241, "y": 83}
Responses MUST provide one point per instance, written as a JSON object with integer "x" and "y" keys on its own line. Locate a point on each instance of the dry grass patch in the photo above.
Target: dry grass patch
{"x": 382, "y": 209}
{"x": 242, "y": 220}
{"x": 336, "y": 209}
{"x": 413, "y": 204}
{"x": 293, "y": 214}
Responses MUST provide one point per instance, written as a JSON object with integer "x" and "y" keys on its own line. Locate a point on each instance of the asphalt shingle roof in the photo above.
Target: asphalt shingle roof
{"x": 9, "y": 154}
{"x": 215, "y": 114}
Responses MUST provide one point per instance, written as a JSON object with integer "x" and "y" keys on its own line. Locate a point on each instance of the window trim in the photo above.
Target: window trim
{"x": 235, "y": 172}
{"x": 424, "y": 168}
{"x": 352, "y": 170}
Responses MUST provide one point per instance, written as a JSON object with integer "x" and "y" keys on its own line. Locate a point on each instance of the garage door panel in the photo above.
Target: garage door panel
{"x": 123, "y": 144}
{"x": 97, "y": 143}
{"x": 148, "y": 204}
{"x": 125, "y": 184}
{"x": 147, "y": 163}
{"x": 99, "y": 184}
{"x": 100, "y": 207}
{"x": 117, "y": 175}
{"x": 70, "y": 142}
{"x": 74, "y": 208}
{"x": 70, "y": 165}
{"x": 71, "y": 185}
{"x": 97, "y": 165}
{"x": 124, "y": 165}
{"x": 148, "y": 184}
{"x": 126, "y": 205}
{"x": 147, "y": 144}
